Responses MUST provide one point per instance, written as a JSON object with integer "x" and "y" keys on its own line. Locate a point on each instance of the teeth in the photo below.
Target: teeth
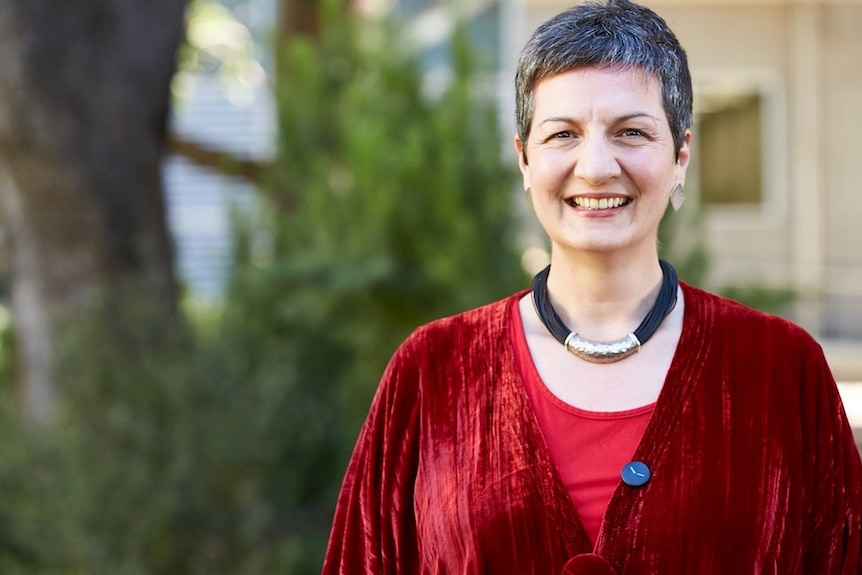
{"x": 598, "y": 204}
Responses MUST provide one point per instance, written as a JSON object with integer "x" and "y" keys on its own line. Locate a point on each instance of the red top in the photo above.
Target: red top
{"x": 588, "y": 447}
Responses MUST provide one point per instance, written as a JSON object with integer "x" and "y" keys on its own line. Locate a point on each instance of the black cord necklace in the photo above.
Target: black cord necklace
{"x": 611, "y": 351}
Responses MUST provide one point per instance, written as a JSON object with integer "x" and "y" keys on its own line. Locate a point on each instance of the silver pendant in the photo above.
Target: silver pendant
{"x": 602, "y": 352}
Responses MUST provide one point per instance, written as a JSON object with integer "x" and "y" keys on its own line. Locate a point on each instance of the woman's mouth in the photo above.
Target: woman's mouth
{"x": 597, "y": 203}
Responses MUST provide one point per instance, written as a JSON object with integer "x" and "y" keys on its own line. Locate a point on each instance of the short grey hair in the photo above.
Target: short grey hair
{"x": 605, "y": 35}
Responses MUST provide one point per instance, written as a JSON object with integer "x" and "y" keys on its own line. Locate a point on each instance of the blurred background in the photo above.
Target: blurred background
{"x": 219, "y": 218}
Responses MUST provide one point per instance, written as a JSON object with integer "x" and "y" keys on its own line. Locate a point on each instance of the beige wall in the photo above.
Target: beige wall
{"x": 842, "y": 152}
{"x": 806, "y": 60}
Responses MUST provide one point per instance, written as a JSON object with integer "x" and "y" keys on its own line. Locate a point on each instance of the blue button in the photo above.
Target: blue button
{"x": 635, "y": 473}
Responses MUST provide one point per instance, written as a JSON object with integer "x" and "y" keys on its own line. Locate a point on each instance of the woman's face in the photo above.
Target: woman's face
{"x": 600, "y": 159}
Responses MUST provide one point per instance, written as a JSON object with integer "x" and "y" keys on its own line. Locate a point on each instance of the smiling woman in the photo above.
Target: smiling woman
{"x": 611, "y": 419}
{"x": 601, "y": 144}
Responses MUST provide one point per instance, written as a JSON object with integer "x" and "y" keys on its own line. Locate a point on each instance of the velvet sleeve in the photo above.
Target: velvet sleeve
{"x": 374, "y": 530}
{"x": 833, "y": 476}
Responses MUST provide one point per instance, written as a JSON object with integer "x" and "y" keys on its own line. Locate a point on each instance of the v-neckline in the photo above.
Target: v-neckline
{"x": 675, "y": 393}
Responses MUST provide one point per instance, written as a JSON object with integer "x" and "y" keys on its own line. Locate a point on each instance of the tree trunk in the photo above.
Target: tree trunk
{"x": 83, "y": 121}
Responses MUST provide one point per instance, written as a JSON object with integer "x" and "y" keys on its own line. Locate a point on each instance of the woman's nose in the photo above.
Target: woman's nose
{"x": 596, "y": 162}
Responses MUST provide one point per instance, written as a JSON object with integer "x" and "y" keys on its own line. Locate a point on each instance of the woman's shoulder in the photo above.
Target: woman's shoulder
{"x": 723, "y": 314}
{"x": 487, "y": 321}
{"x": 462, "y": 333}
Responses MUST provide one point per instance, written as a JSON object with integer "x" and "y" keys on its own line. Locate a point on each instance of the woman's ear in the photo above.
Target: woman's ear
{"x": 683, "y": 155}
{"x": 520, "y": 148}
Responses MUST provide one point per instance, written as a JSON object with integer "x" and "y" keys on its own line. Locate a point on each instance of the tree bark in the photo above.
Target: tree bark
{"x": 83, "y": 123}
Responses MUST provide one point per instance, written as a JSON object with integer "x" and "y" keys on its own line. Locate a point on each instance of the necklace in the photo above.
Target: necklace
{"x": 611, "y": 351}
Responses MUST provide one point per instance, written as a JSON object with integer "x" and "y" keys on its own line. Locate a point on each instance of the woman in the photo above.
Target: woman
{"x": 533, "y": 436}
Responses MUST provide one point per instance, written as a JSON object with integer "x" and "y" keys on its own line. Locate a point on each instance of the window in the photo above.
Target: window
{"x": 730, "y": 142}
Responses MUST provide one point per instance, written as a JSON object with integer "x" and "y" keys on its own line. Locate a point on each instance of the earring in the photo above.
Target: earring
{"x": 528, "y": 195}
{"x": 677, "y": 197}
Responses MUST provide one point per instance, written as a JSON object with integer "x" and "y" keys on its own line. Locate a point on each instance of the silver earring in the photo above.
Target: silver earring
{"x": 677, "y": 197}
{"x": 528, "y": 195}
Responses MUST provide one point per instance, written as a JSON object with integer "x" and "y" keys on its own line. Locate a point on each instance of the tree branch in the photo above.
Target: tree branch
{"x": 220, "y": 161}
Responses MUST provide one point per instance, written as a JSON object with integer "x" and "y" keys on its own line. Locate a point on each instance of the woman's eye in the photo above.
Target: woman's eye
{"x": 563, "y": 134}
{"x": 633, "y": 133}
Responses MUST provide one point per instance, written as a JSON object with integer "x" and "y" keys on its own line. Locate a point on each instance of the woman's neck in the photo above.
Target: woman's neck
{"x": 603, "y": 297}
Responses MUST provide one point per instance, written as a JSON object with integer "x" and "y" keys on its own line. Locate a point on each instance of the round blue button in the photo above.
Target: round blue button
{"x": 635, "y": 473}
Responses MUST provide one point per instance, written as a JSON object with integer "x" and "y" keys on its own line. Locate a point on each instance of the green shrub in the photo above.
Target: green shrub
{"x": 222, "y": 451}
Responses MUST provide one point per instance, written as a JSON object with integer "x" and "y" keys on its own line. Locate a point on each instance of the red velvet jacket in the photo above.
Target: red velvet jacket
{"x": 754, "y": 468}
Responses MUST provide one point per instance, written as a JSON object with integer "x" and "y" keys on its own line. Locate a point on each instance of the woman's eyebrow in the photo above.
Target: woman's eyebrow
{"x": 635, "y": 115}
{"x": 564, "y": 119}
{"x": 622, "y": 118}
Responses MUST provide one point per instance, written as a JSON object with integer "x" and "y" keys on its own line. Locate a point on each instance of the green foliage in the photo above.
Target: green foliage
{"x": 222, "y": 451}
{"x": 7, "y": 356}
{"x": 38, "y": 521}
{"x": 194, "y": 457}
{"x": 200, "y": 457}
{"x": 386, "y": 208}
